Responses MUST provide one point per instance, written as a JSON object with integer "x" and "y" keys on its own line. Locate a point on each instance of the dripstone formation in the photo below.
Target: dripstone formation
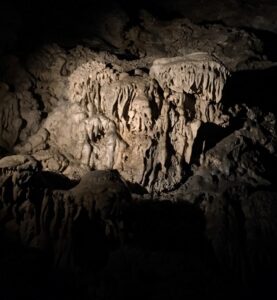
{"x": 143, "y": 150}
{"x": 142, "y": 125}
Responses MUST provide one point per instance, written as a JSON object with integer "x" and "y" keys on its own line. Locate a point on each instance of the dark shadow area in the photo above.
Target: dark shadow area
{"x": 24, "y": 273}
{"x": 90, "y": 245}
{"x": 28, "y": 274}
{"x": 208, "y": 136}
{"x": 166, "y": 226}
{"x": 165, "y": 255}
{"x": 29, "y": 24}
{"x": 136, "y": 188}
{"x": 52, "y": 180}
{"x": 269, "y": 40}
{"x": 155, "y": 7}
{"x": 206, "y": 23}
{"x": 255, "y": 88}
{"x": 165, "y": 245}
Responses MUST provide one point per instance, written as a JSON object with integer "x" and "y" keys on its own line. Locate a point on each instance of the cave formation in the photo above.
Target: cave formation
{"x": 138, "y": 150}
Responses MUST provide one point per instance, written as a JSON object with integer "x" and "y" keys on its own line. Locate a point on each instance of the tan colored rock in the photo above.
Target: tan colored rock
{"x": 143, "y": 126}
{"x": 195, "y": 73}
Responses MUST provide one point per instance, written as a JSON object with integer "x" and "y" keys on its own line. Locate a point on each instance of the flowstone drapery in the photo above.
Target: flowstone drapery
{"x": 142, "y": 125}
{"x": 126, "y": 152}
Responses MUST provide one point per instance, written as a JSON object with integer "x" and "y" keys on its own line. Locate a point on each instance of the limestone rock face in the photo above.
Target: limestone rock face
{"x": 31, "y": 209}
{"x": 235, "y": 188}
{"x": 196, "y": 73}
{"x": 142, "y": 125}
{"x": 139, "y": 150}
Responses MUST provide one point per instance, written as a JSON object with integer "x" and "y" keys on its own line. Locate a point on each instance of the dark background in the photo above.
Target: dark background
{"x": 30, "y": 22}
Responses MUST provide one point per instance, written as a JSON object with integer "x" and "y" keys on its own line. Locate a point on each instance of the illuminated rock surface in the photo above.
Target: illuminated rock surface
{"x": 138, "y": 153}
{"x": 100, "y": 117}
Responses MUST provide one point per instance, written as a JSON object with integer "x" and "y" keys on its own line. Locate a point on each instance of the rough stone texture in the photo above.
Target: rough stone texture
{"x": 50, "y": 219}
{"x": 181, "y": 37}
{"x": 100, "y": 117}
{"x": 10, "y": 118}
{"x": 235, "y": 187}
{"x": 182, "y": 111}
{"x": 229, "y": 12}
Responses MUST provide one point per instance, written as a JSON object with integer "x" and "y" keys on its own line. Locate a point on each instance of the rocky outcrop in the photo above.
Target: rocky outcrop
{"x": 152, "y": 109}
{"x": 50, "y": 219}
{"x": 235, "y": 188}
{"x": 104, "y": 118}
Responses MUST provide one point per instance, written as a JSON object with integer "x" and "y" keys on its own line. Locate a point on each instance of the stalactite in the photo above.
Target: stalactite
{"x": 197, "y": 73}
